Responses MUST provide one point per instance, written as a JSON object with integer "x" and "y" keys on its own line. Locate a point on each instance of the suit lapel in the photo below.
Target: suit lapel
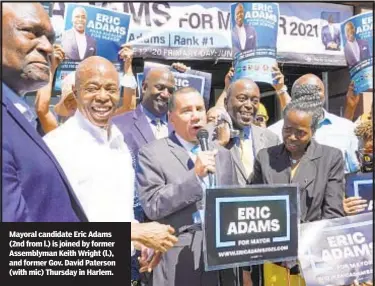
{"x": 75, "y": 51}
{"x": 237, "y": 159}
{"x": 258, "y": 139}
{"x": 142, "y": 125}
{"x": 280, "y": 163}
{"x": 179, "y": 152}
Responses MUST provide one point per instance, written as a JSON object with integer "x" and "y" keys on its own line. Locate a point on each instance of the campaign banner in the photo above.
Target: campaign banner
{"x": 47, "y": 7}
{"x": 357, "y": 33}
{"x": 93, "y": 31}
{"x": 250, "y": 225}
{"x": 361, "y": 185}
{"x": 337, "y": 251}
{"x": 254, "y": 28}
{"x": 68, "y": 66}
{"x": 201, "y": 81}
{"x": 202, "y": 30}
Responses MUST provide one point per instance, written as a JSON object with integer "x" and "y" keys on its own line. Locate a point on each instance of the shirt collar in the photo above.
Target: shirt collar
{"x": 327, "y": 119}
{"x": 151, "y": 116}
{"x": 100, "y": 134}
{"x": 79, "y": 34}
{"x": 20, "y": 103}
{"x": 187, "y": 145}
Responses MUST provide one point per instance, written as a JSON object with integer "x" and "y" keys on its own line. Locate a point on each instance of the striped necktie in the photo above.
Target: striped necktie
{"x": 158, "y": 133}
{"x": 246, "y": 154}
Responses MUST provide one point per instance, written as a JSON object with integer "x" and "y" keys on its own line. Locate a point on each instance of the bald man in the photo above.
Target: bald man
{"x": 333, "y": 130}
{"x": 34, "y": 186}
{"x": 75, "y": 42}
{"x": 91, "y": 150}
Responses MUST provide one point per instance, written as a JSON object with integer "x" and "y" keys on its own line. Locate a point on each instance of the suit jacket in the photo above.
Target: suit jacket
{"x": 35, "y": 188}
{"x": 327, "y": 37}
{"x": 170, "y": 193}
{"x": 262, "y": 138}
{"x": 364, "y": 52}
{"x": 320, "y": 176}
{"x": 70, "y": 46}
{"x": 251, "y": 40}
{"x": 135, "y": 128}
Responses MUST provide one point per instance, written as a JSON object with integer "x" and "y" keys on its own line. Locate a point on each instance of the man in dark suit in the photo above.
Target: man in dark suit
{"x": 171, "y": 176}
{"x": 356, "y": 50}
{"x": 331, "y": 36}
{"x": 76, "y": 43}
{"x": 149, "y": 120}
{"x": 244, "y": 37}
{"x": 34, "y": 187}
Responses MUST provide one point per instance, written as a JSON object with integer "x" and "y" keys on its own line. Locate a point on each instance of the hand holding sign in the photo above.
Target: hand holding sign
{"x": 228, "y": 78}
{"x": 354, "y": 205}
{"x": 126, "y": 54}
{"x": 205, "y": 163}
{"x": 277, "y": 78}
{"x": 57, "y": 57}
{"x": 180, "y": 67}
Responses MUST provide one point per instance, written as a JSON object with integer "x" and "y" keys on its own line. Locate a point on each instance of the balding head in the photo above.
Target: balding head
{"x": 97, "y": 89}
{"x": 310, "y": 79}
{"x": 157, "y": 87}
{"x": 27, "y": 37}
{"x": 79, "y": 19}
{"x": 242, "y": 102}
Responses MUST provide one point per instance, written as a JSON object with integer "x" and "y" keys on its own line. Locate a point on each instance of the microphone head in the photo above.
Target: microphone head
{"x": 202, "y": 134}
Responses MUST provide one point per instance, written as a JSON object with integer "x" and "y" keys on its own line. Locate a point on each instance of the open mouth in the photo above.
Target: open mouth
{"x": 246, "y": 116}
{"x": 102, "y": 111}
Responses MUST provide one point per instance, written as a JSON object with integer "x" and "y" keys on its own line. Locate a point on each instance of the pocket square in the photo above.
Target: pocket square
{"x": 91, "y": 49}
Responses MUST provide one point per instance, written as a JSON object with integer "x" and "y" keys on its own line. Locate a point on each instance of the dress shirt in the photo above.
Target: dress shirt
{"x": 247, "y": 144}
{"x": 151, "y": 119}
{"x": 98, "y": 166}
{"x": 21, "y": 105}
{"x": 355, "y": 49}
{"x": 242, "y": 36}
{"x": 331, "y": 30}
{"x": 81, "y": 43}
{"x": 336, "y": 132}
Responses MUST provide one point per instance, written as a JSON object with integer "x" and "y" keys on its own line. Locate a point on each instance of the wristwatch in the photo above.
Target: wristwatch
{"x": 129, "y": 81}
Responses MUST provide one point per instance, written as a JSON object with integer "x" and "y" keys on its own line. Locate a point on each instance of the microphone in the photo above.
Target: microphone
{"x": 202, "y": 136}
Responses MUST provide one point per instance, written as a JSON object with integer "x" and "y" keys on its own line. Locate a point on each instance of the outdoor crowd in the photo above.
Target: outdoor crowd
{"x": 90, "y": 159}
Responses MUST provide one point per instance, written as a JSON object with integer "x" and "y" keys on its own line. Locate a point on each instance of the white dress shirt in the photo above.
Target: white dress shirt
{"x": 98, "y": 168}
{"x": 355, "y": 49}
{"x": 81, "y": 44}
{"x": 332, "y": 30}
{"x": 242, "y": 36}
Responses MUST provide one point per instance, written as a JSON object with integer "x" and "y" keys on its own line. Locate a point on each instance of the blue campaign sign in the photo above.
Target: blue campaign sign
{"x": 337, "y": 251}
{"x": 361, "y": 185}
{"x": 249, "y": 225}
{"x": 357, "y": 34}
{"x": 91, "y": 30}
{"x": 254, "y": 29}
{"x": 201, "y": 81}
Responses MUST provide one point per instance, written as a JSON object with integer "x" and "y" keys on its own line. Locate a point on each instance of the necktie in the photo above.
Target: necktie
{"x": 195, "y": 149}
{"x": 158, "y": 133}
{"x": 246, "y": 154}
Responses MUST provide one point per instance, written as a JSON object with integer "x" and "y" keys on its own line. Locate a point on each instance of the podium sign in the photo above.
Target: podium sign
{"x": 249, "y": 225}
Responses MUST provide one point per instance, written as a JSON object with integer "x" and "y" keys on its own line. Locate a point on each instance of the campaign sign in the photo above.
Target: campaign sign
{"x": 47, "y": 7}
{"x": 249, "y": 225}
{"x": 68, "y": 66}
{"x": 337, "y": 251}
{"x": 361, "y": 185}
{"x": 201, "y": 81}
{"x": 357, "y": 34}
{"x": 254, "y": 39}
{"x": 93, "y": 31}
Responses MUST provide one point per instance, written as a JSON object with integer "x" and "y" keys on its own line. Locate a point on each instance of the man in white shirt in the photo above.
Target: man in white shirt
{"x": 92, "y": 151}
{"x": 75, "y": 42}
{"x": 356, "y": 50}
{"x": 244, "y": 37}
{"x": 333, "y": 130}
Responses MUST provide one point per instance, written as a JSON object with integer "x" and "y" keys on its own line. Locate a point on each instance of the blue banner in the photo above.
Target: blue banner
{"x": 337, "y": 251}
{"x": 90, "y": 31}
{"x": 357, "y": 34}
{"x": 254, "y": 28}
{"x": 201, "y": 81}
{"x": 361, "y": 185}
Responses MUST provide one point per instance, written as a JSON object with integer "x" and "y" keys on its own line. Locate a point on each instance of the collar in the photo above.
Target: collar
{"x": 313, "y": 151}
{"x": 100, "y": 134}
{"x": 20, "y": 103}
{"x": 327, "y": 119}
{"x": 150, "y": 116}
{"x": 187, "y": 145}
